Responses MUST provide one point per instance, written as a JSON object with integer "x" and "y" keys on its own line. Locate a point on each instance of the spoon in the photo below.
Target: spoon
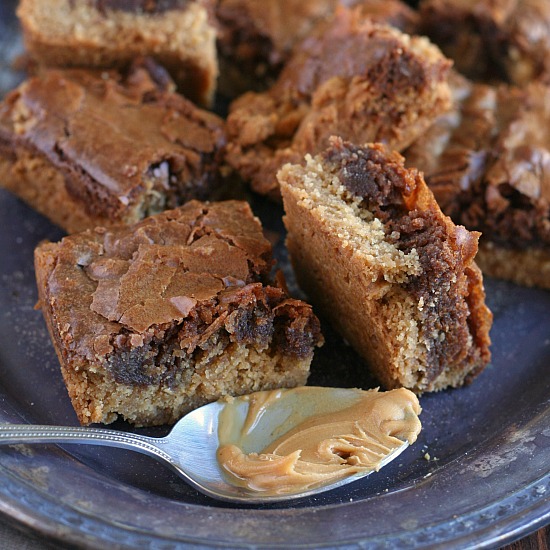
{"x": 191, "y": 446}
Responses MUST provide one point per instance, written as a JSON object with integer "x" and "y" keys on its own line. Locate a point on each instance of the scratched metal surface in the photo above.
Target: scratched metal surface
{"x": 486, "y": 481}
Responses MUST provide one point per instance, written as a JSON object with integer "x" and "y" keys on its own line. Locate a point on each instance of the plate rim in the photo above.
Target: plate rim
{"x": 528, "y": 509}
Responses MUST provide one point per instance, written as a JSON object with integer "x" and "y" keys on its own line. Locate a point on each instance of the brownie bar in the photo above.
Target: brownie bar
{"x": 152, "y": 320}
{"x": 487, "y": 163}
{"x": 490, "y": 39}
{"x": 374, "y": 252}
{"x": 92, "y": 148}
{"x": 351, "y": 77}
{"x": 110, "y": 34}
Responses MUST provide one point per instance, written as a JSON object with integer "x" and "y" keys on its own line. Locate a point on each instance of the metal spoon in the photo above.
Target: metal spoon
{"x": 190, "y": 447}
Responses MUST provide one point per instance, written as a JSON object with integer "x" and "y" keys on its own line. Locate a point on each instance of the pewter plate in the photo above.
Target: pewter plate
{"x": 477, "y": 477}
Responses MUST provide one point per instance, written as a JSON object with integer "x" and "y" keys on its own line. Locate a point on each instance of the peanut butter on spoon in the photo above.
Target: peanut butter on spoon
{"x": 322, "y": 441}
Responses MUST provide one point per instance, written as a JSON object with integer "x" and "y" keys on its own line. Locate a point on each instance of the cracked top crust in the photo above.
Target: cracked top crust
{"x": 157, "y": 272}
{"x": 180, "y": 276}
{"x": 117, "y": 139}
{"x": 488, "y": 162}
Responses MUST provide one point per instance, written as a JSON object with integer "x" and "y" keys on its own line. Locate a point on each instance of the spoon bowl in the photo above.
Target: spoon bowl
{"x": 191, "y": 446}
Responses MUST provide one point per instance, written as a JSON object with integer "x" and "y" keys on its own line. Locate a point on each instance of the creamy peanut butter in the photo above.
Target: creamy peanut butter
{"x": 319, "y": 436}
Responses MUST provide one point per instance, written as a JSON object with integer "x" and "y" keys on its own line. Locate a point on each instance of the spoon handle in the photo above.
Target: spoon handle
{"x": 12, "y": 434}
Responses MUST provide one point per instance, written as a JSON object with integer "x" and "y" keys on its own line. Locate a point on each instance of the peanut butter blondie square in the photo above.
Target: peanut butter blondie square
{"x": 488, "y": 164}
{"x": 374, "y": 252}
{"x": 108, "y": 34}
{"x": 351, "y": 77}
{"x": 89, "y": 148}
{"x": 152, "y": 320}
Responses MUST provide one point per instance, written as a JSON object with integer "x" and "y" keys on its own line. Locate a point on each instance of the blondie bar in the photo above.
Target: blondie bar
{"x": 152, "y": 320}
{"x": 375, "y": 254}
{"x": 89, "y": 148}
